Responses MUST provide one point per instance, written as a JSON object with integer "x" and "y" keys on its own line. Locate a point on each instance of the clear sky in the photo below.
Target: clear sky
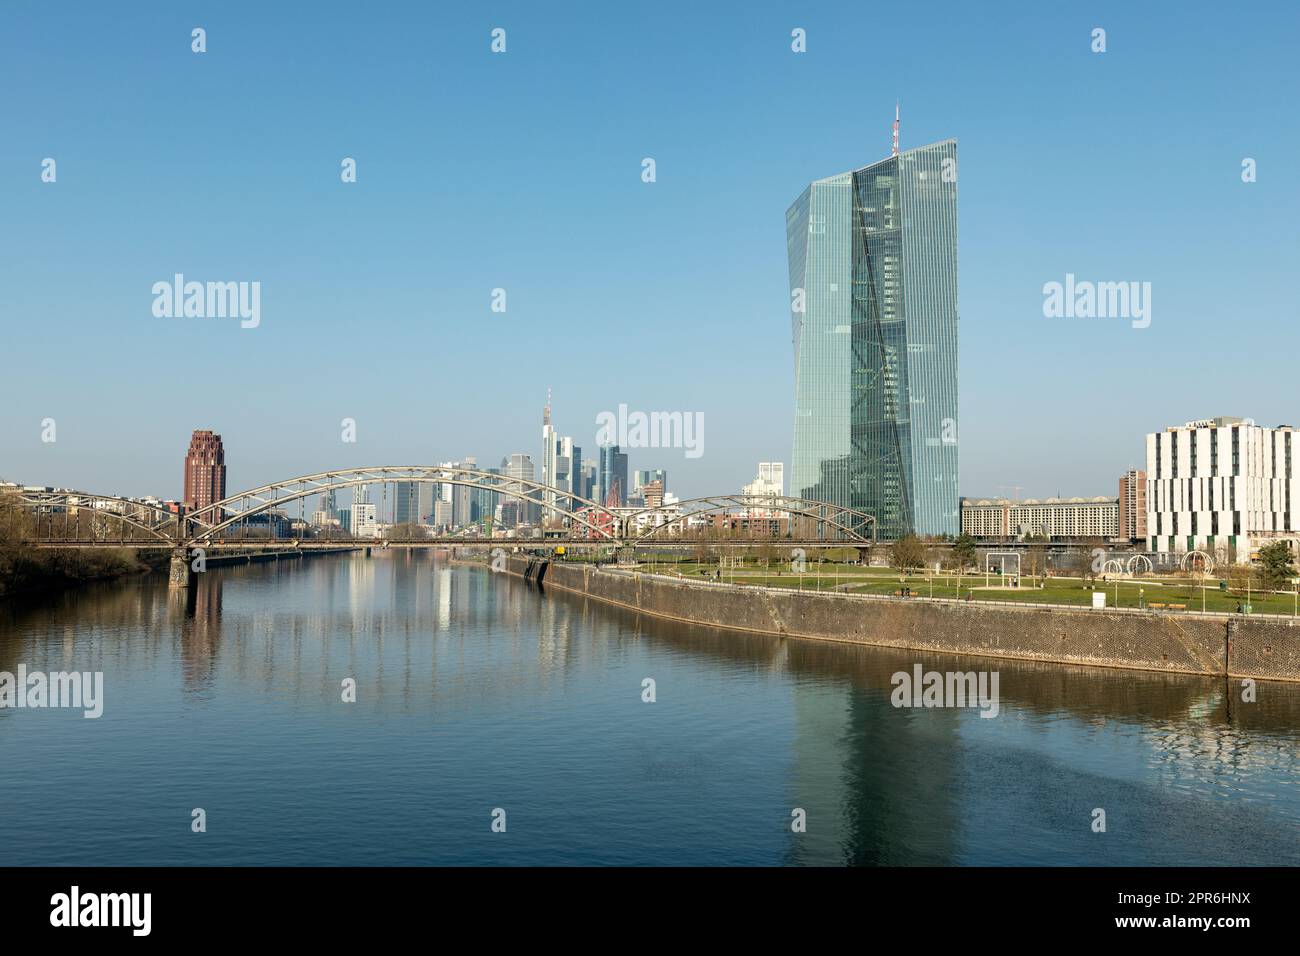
{"x": 523, "y": 170}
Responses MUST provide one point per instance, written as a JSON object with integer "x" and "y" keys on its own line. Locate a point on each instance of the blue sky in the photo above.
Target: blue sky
{"x": 522, "y": 171}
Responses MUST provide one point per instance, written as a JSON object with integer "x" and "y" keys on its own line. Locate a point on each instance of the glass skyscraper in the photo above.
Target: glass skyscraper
{"x": 873, "y": 278}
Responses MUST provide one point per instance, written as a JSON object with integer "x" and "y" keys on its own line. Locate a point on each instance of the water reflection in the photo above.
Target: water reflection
{"x": 470, "y": 683}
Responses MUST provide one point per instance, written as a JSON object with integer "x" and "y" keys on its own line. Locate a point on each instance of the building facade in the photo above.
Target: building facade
{"x": 613, "y": 476}
{"x": 770, "y": 479}
{"x": 1055, "y": 518}
{"x": 205, "y": 470}
{"x": 1222, "y": 486}
{"x": 873, "y": 277}
{"x": 515, "y": 510}
{"x": 1133, "y": 506}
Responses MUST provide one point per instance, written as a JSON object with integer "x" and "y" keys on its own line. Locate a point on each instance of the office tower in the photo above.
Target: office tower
{"x": 1133, "y": 506}
{"x": 613, "y": 475}
{"x": 770, "y": 479}
{"x": 643, "y": 476}
{"x": 873, "y": 277}
{"x": 550, "y": 450}
{"x": 590, "y": 486}
{"x": 560, "y": 464}
{"x": 483, "y": 502}
{"x": 460, "y": 496}
{"x": 1225, "y": 486}
{"x": 520, "y": 466}
{"x": 406, "y": 502}
{"x": 364, "y": 516}
{"x": 653, "y": 493}
{"x": 205, "y": 471}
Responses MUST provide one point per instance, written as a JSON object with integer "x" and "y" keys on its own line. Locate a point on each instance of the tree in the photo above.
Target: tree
{"x": 1091, "y": 559}
{"x": 963, "y": 550}
{"x": 907, "y": 553}
{"x": 406, "y": 531}
{"x": 1277, "y": 566}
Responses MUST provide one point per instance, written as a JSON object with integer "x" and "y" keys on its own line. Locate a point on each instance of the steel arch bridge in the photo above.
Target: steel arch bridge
{"x": 155, "y": 525}
{"x": 220, "y": 515}
{"x": 846, "y": 524}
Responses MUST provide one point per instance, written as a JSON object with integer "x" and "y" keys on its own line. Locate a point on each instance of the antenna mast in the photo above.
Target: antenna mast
{"x": 895, "y": 153}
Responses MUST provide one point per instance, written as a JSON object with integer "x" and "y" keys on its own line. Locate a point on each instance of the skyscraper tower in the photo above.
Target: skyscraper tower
{"x": 205, "y": 470}
{"x": 550, "y": 453}
{"x": 873, "y": 277}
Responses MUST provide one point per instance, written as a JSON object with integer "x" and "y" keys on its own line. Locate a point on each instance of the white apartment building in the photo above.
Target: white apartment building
{"x": 770, "y": 480}
{"x": 365, "y": 523}
{"x": 1076, "y": 518}
{"x": 1221, "y": 485}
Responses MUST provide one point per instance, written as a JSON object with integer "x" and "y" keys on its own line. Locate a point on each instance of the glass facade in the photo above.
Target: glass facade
{"x": 873, "y": 276}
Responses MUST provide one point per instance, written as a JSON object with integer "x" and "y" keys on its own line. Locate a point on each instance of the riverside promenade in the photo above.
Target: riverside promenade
{"x": 1229, "y": 645}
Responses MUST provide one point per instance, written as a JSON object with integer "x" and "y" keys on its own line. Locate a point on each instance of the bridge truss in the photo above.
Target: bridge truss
{"x": 75, "y": 517}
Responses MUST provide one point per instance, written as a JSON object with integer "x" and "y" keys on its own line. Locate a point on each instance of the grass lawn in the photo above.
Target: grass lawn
{"x": 1059, "y": 590}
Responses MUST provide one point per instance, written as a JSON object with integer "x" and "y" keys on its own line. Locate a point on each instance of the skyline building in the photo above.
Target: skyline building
{"x": 613, "y": 475}
{"x": 561, "y": 465}
{"x": 483, "y": 502}
{"x": 514, "y": 510}
{"x": 874, "y": 322}
{"x": 1225, "y": 486}
{"x": 1133, "y": 505}
{"x": 643, "y": 476}
{"x": 769, "y": 481}
{"x": 364, "y": 516}
{"x": 406, "y": 502}
{"x": 205, "y": 470}
{"x": 549, "y": 454}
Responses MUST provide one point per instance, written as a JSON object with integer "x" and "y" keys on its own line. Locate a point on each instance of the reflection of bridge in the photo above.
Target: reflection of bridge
{"x": 79, "y": 519}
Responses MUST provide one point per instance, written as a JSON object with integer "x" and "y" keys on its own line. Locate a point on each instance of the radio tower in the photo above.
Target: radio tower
{"x": 895, "y": 153}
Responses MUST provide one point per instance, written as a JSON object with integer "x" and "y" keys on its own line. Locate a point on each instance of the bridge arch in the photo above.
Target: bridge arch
{"x": 154, "y": 520}
{"x": 220, "y": 515}
{"x": 849, "y": 522}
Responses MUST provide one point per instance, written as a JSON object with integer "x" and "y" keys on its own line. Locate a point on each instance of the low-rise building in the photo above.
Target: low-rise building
{"x": 1058, "y": 519}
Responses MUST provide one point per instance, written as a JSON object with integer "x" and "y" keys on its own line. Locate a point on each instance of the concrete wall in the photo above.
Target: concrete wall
{"x": 1180, "y": 643}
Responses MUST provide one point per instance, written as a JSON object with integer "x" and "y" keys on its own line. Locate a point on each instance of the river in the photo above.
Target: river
{"x": 476, "y": 693}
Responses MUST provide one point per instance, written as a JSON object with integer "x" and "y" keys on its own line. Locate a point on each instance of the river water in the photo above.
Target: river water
{"x": 476, "y": 693}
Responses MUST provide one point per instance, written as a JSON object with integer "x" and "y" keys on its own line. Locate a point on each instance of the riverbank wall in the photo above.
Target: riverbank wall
{"x": 1228, "y": 645}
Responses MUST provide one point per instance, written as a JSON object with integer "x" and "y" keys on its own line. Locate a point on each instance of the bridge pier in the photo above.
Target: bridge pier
{"x": 180, "y": 575}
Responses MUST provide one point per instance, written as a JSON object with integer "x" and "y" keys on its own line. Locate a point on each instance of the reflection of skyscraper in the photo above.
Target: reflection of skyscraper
{"x": 205, "y": 470}
{"x": 873, "y": 275}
